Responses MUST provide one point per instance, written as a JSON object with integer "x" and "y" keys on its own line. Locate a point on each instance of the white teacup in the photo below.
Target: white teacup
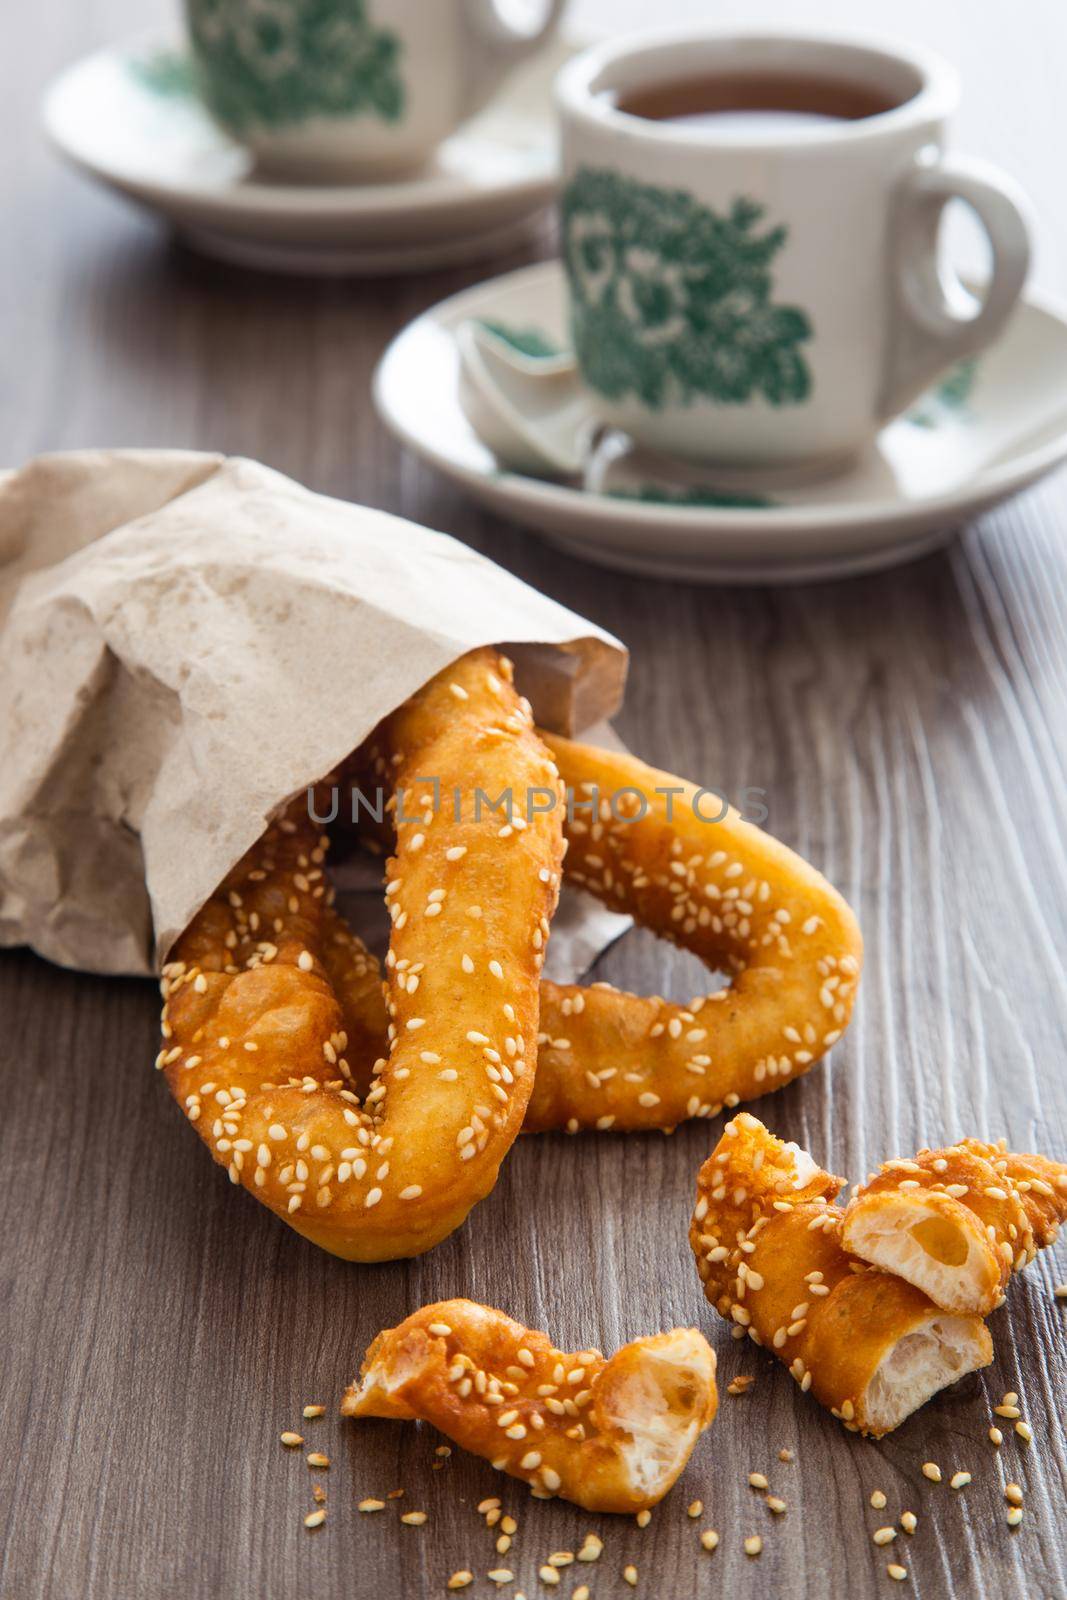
{"x": 754, "y": 289}
{"x": 361, "y": 88}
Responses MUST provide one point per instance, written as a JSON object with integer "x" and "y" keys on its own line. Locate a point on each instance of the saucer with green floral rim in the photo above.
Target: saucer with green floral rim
{"x": 988, "y": 429}
{"x": 130, "y": 117}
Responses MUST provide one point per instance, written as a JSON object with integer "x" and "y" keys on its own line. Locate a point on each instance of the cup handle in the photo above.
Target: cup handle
{"x": 928, "y": 329}
{"x": 498, "y": 43}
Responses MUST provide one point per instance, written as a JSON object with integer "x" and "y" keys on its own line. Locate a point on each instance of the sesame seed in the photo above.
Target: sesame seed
{"x": 959, "y": 1480}
{"x": 786, "y": 1455}
{"x": 440, "y": 1330}
{"x": 908, "y": 1521}
{"x": 776, "y": 1505}
{"x": 315, "y": 1519}
{"x": 1013, "y": 1494}
{"x": 305, "y": 961}
{"x": 932, "y": 1471}
{"x": 709, "y": 1539}
{"x": 884, "y": 1535}
{"x": 314, "y": 1411}
{"x": 643, "y": 1517}
{"x": 996, "y": 1437}
{"x": 1024, "y": 1431}
{"x": 549, "y": 1575}
{"x": 561, "y": 1558}
{"x": 753, "y": 1545}
{"x": 460, "y": 1580}
{"x": 897, "y": 1572}
{"x": 1015, "y": 1516}
{"x": 414, "y": 1519}
{"x": 501, "y": 1575}
{"x": 491, "y": 1504}
{"x": 756, "y": 1480}
{"x": 591, "y": 1548}
{"x": 317, "y": 1459}
{"x": 291, "y": 1440}
{"x": 695, "y": 1508}
{"x": 630, "y": 1576}
{"x": 1009, "y": 1411}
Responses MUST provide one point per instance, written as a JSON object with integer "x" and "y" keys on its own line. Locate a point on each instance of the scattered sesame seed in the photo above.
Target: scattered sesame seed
{"x": 549, "y": 1575}
{"x": 291, "y": 1440}
{"x": 317, "y": 1459}
{"x": 959, "y": 1480}
{"x": 756, "y": 1480}
{"x": 414, "y": 1519}
{"x": 1015, "y": 1516}
{"x": 932, "y": 1471}
{"x": 709, "y": 1539}
{"x": 561, "y": 1558}
{"x": 371, "y": 1505}
{"x": 314, "y": 1411}
{"x": 897, "y": 1572}
{"x": 753, "y": 1545}
{"x": 695, "y": 1508}
{"x": 776, "y": 1505}
{"x": 884, "y": 1535}
{"x": 630, "y": 1576}
{"x": 878, "y": 1500}
{"x": 1010, "y": 1411}
{"x": 996, "y": 1437}
{"x": 908, "y": 1521}
{"x": 315, "y": 1519}
{"x": 460, "y": 1580}
{"x": 500, "y": 1575}
{"x": 1024, "y": 1431}
{"x": 786, "y": 1455}
{"x": 1013, "y": 1494}
{"x": 643, "y": 1518}
{"x": 492, "y": 1504}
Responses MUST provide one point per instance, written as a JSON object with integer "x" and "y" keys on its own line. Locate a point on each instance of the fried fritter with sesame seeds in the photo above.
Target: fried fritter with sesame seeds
{"x": 266, "y": 992}
{"x": 610, "y": 1435}
{"x": 767, "y": 1240}
{"x": 746, "y": 905}
{"x": 731, "y": 894}
{"x": 958, "y": 1222}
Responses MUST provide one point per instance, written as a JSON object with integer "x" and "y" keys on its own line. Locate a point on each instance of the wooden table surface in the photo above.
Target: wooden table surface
{"x": 159, "y": 1329}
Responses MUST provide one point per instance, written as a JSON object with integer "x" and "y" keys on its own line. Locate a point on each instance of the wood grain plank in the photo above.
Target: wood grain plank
{"x": 159, "y": 1329}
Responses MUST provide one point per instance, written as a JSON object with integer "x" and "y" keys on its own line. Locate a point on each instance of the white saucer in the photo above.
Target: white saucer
{"x": 129, "y": 117}
{"x": 992, "y": 428}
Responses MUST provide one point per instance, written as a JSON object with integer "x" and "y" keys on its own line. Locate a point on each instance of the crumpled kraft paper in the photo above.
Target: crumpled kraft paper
{"x": 186, "y": 642}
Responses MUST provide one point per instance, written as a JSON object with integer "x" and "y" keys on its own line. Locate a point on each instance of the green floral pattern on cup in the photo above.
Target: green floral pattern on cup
{"x": 672, "y": 302}
{"x": 279, "y": 62}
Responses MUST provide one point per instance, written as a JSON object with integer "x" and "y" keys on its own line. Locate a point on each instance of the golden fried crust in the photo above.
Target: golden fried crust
{"x": 735, "y": 897}
{"x": 958, "y": 1222}
{"x": 609, "y": 1435}
{"x": 767, "y": 1242}
{"x": 742, "y": 902}
{"x": 264, "y": 994}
